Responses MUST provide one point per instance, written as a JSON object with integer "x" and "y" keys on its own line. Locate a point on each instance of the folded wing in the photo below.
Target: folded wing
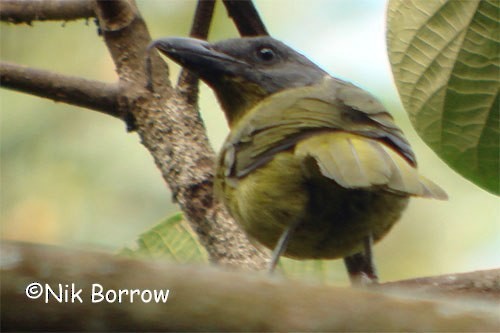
{"x": 349, "y": 134}
{"x": 358, "y": 162}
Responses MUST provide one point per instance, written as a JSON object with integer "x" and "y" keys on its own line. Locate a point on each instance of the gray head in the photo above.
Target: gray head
{"x": 242, "y": 71}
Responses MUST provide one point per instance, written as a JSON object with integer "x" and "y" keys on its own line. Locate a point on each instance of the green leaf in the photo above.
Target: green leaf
{"x": 172, "y": 239}
{"x": 445, "y": 56}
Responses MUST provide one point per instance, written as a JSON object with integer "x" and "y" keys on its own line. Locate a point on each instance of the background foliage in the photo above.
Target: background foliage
{"x": 74, "y": 177}
{"x": 446, "y": 62}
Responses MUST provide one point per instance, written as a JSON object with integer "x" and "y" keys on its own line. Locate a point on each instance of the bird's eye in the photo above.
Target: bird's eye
{"x": 266, "y": 53}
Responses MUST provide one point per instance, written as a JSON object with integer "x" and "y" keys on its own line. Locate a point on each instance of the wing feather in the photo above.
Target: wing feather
{"x": 350, "y": 135}
{"x": 357, "y": 162}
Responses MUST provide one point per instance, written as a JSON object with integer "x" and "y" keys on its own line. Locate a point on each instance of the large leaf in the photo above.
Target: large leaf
{"x": 172, "y": 239}
{"x": 445, "y": 59}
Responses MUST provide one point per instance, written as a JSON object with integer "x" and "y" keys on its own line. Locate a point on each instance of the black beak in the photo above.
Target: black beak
{"x": 196, "y": 55}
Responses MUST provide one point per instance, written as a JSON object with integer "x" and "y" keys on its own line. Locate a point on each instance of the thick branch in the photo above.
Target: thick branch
{"x": 483, "y": 285}
{"x": 202, "y": 298}
{"x": 187, "y": 84}
{"x": 172, "y": 130}
{"x": 94, "y": 95}
{"x": 245, "y": 17}
{"x": 26, "y": 11}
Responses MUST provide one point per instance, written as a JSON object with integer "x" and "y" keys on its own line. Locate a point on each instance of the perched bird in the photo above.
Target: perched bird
{"x": 313, "y": 167}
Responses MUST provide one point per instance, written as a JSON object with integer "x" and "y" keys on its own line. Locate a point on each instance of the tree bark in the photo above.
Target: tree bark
{"x": 26, "y": 11}
{"x": 203, "y": 298}
{"x": 94, "y": 95}
{"x": 246, "y": 18}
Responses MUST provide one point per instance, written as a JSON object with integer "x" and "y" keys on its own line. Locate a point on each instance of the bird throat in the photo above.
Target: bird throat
{"x": 237, "y": 97}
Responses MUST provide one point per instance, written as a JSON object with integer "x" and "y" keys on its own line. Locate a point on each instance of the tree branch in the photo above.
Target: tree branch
{"x": 26, "y": 11}
{"x": 169, "y": 124}
{"x": 172, "y": 130}
{"x": 202, "y": 19}
{"x": 483, "y": 285}
{"x": 202, "y": 298}
{"x": 187, "y": 85}
{"x": 245, "y": 17}
{"x": 77, "y": 91}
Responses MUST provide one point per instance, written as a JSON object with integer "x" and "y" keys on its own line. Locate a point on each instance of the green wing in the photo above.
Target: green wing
{"x": 282, "y": 120}
{"x": 354, "y": 161}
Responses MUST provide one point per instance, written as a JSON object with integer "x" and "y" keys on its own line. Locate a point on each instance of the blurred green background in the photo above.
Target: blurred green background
{"x": 74, "y": 177}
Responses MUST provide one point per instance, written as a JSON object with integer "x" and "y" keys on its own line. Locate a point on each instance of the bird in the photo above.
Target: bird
{"x": 313, "y": 167}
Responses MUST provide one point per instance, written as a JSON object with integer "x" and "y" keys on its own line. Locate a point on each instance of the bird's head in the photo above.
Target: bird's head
{"x": 242, "y": 71}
